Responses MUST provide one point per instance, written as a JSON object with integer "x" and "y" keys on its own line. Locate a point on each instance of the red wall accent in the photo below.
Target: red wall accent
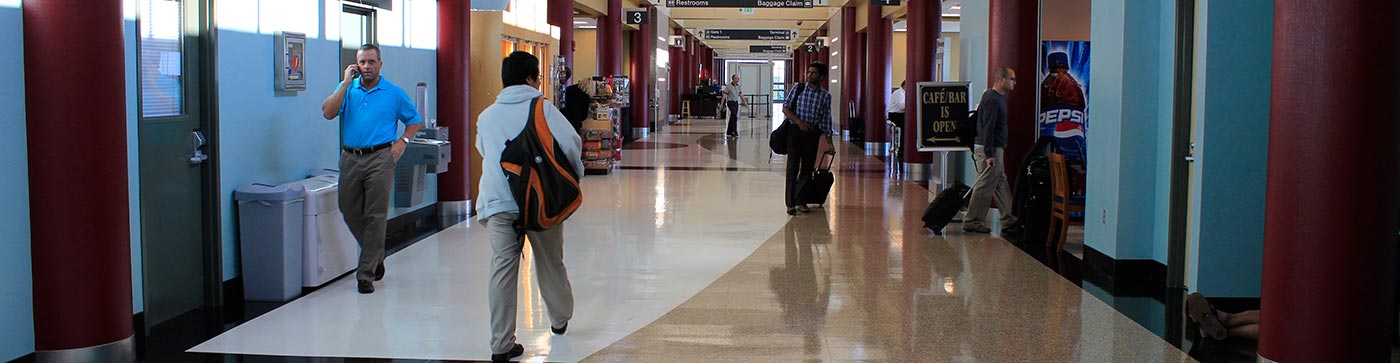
{"x": 925, "y": 28}
{"x": 82, "y": 276}
{"x": 610, "y": 40}
{"x": 453, "y": 99}
{"x": 1331, "y": 211}
{"x": 878, "y": 67}
{"x": 1014, "y": 43}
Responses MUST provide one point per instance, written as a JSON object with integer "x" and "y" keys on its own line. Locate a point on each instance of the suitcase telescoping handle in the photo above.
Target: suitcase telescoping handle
{"x": 824, "y": 164}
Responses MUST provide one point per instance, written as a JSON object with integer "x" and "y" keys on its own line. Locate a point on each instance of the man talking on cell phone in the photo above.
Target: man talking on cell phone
{"x": 370, "y": 109}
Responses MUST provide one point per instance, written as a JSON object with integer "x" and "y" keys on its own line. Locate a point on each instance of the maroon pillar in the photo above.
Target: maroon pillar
{"x": 677, "y": 73}
{"x": 850, "y": 73}
{"x": 824, "y": 53}
{"x": 925, "y": 28}
{"x": 1328, "y": 292}
{"x": 1015, "y": 44}
{"x": 561, "y": 14}
{"x": 642, "y": 45}
{"x": 610, "y": 40}
{"x": 82, "y": 276}
{"x": 879, "y": 34}
{"x": 453, "y": 99}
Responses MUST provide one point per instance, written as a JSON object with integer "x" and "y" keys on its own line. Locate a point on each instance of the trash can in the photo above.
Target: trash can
{"x": 270, "y": 239}
{"x": 328, "y": 248}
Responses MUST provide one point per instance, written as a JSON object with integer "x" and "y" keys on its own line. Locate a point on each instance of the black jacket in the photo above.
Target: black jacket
{"x": 576, "y": 103}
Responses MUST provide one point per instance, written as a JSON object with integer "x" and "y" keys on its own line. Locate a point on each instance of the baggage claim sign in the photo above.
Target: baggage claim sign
{"x": 942, "y": 107}
{"x": 739, "y": 3}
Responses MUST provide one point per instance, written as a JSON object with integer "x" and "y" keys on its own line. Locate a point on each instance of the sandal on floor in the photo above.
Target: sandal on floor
{"x": 1204, "y": 315}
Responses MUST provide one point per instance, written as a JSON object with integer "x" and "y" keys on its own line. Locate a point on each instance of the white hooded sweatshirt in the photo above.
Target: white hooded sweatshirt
{"x": 503, "y": 121}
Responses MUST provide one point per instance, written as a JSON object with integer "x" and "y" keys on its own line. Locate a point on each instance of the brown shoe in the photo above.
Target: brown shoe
{"x": 1204, "y": 315}
{"x": 366, "y": 286}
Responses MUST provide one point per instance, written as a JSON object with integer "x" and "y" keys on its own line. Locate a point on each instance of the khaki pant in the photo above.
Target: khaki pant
{"x": 365, "y": 182}
{"x": 506, "y": 247}
{"x": 991, "y": 185}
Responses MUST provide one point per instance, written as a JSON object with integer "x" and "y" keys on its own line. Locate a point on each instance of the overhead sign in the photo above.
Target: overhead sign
{"x": 739, "y": 3}
{"x": 749, "y": 34}
{"x": 942, "y": 109}
{"x": 809, "y": 47}
{"x": 768, "y": 48}
{"x": 887, "y": 2}
{"x": 677, "y": 41}
{"x": 637, "y": 16}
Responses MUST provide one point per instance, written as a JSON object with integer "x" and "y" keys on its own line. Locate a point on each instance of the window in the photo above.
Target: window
{"x": 162, "y": 53}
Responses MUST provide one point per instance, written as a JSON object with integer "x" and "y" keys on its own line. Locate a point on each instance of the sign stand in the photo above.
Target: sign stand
{"x": 941, "y": 111}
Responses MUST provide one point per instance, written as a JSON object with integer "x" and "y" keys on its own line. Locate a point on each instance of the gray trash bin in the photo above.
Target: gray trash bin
{"x": 270, "y": 239}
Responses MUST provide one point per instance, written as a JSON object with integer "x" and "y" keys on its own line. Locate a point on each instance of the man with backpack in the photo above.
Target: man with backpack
{"x": 521, "y": 104}
{"x": 987, "y": 155}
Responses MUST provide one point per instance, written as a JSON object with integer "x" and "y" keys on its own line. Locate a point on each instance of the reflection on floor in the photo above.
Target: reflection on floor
{"x": 685, "y": 255}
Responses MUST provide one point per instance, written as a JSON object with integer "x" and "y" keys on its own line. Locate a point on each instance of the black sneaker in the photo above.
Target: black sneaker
{"x": 560, "y": 330}
{"x": 366, "y": 287}
{"x": 515, "y": 351}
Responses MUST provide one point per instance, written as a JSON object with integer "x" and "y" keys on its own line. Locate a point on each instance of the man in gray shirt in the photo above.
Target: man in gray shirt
{"x": 987, "y": 156}
{"x": 733, "y": 96}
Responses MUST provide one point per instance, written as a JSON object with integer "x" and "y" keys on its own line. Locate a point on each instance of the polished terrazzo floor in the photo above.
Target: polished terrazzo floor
{"x": 684, "y": 254}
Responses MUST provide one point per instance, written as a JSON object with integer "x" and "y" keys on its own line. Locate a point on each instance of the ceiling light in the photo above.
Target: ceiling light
{"x": 956, "y": 7}
{"x": 952, "y": 15}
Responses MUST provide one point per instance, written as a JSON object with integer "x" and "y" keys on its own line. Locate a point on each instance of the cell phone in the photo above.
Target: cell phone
{"x": 355, "y": 73}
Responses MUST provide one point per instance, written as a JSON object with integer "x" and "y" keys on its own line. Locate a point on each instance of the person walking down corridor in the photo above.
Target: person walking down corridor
{"x": 809, "y": 109}
{"x": 370, "y": 109}
{"x": 498, "y": 210}
{"x": 733, "y": 97}
{"x": 987, "y": 156}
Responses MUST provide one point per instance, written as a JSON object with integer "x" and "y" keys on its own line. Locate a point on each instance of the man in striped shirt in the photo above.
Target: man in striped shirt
{"x": 808, "y": 108}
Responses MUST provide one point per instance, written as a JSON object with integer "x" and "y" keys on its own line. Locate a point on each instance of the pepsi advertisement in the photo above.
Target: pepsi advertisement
{"x": 1064, "y": 96}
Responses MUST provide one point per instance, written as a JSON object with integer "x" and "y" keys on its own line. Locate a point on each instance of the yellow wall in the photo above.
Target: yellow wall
{"x": 586, "y": 53}
{"x": 488, "y": 32}
{"x": 1065, "y": 20}
{"x": 955, "y": 52}
{"x": 487, "y": 29}
{"x": 900, "y": 63}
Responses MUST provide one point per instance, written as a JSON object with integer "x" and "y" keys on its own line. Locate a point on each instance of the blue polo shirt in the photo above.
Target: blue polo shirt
{"x": 370, "y": 117}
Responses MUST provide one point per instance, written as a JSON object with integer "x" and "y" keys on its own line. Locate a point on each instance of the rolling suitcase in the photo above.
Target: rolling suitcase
{"x": 945, "y": 206}
{"x": 815, "y": 190}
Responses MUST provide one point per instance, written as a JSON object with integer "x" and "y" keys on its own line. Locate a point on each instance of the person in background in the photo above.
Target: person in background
{"x": 733, "y": 97}
{"x": 987, "y": 154}
{"x": 576, "y": 101}
{"x": 896, "y": 106}
{"x": 810, "y": 110}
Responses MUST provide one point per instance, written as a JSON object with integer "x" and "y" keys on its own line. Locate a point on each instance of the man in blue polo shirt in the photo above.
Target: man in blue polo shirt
{"x": 370, "y": 109}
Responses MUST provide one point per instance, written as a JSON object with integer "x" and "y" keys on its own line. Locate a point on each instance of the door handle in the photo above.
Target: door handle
{"x": 197, "y": 142}
{"x": 1191, "y": 153}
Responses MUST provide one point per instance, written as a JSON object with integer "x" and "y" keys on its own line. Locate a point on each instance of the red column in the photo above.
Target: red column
{"x": 925, "y": 28}
{"x": 850, "y": 62}
{"x": 1014, "y": 43}
{"x": 677, "y": 73}
{"x": 642, "y": 45}
{"x": 610, "y": 40}
{"x": 453, "y": 59}
{"x": 688, "y": 66}
{"x": 82, "y": 276}
{"x": 878, "y": 67}
{"x": 824, "y": 53}
{"x": 1327, "y": 292}
{"x": 561, "y": 14}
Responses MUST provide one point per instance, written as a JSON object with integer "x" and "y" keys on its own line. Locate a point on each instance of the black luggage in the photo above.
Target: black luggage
{"x": 945, "y": 206}
{"x": 815, "y": 190}
{"x": 1031, "y": 203}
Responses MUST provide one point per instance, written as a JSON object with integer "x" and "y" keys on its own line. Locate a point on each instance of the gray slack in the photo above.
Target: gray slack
{"x": 991, "y": 185}
{"x": 365, "y": 182}
{"x": 548, "y": 258}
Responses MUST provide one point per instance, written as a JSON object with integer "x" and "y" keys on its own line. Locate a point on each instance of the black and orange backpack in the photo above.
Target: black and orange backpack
{"x": 541, "y": 178}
